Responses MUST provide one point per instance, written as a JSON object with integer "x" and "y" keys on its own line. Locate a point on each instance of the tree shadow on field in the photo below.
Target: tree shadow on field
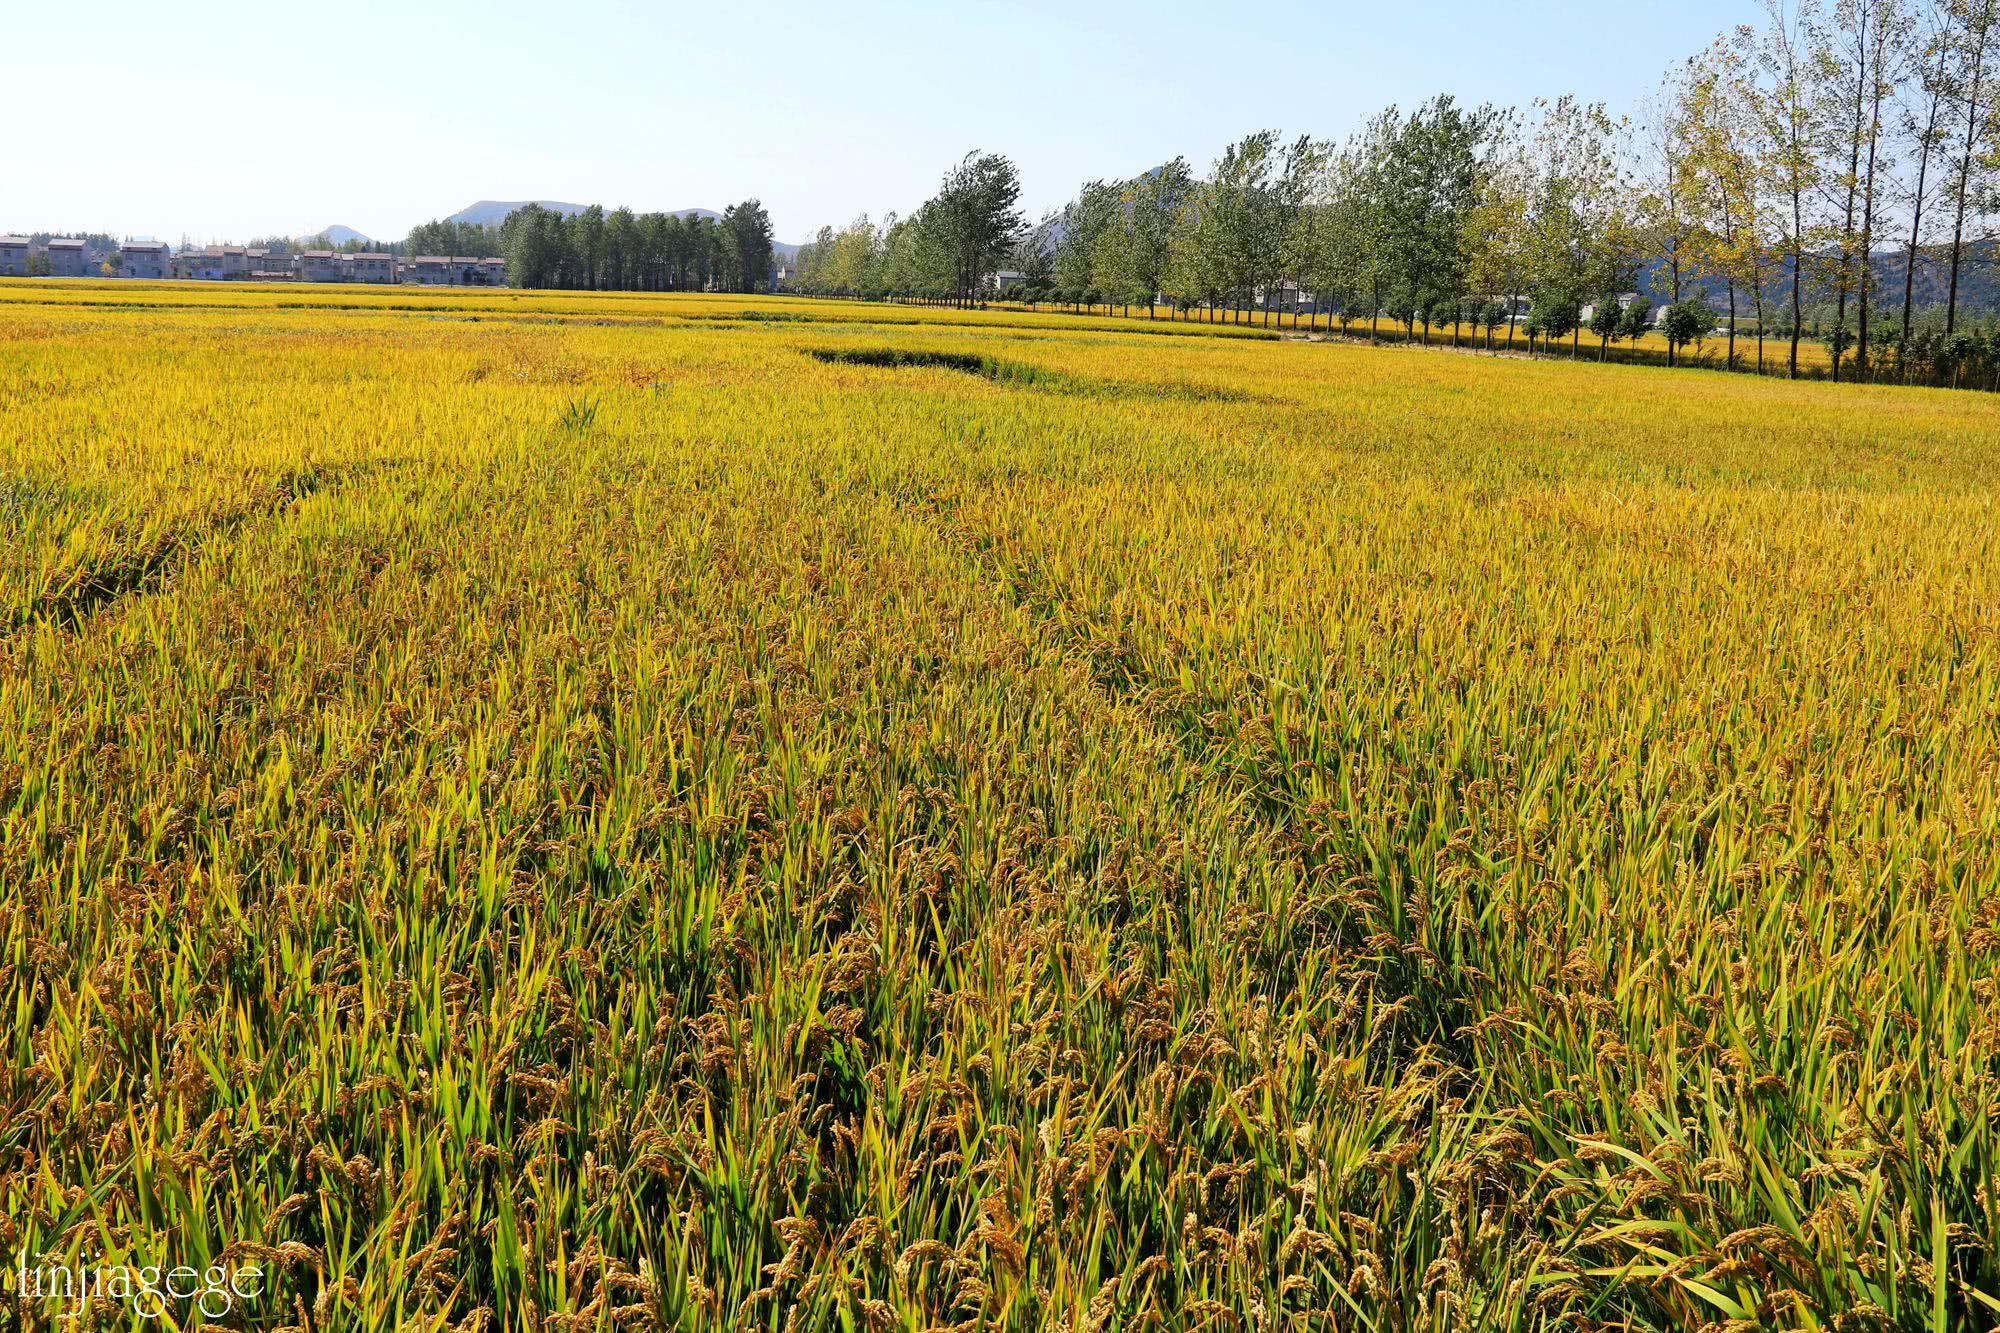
{"x": 1020, "y": 375}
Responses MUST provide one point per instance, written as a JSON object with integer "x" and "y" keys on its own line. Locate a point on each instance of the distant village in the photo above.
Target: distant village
{"x": 71, "y": 257}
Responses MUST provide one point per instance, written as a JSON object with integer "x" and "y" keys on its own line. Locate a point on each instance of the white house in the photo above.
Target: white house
{"x": 68, "y": 258}
{"x": 144, "y": 259}
{"x": 1625, "y": 300}
{"x": 14, "y": 256}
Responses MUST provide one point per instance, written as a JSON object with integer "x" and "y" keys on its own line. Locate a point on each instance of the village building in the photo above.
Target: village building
{"x": 69, "y": 258}
{"x": 145, "y": 259}
{"x": 270, "y": 265}
{"x": 345, "y": 266}
{"x": 214, "y": 263}
{"x": 427, "y": 270}
{"x": 366, "y": 266}
{"x": 320, "y": 266}
{"x": 454, "y": 271}
{"x": 1625, "y": 300}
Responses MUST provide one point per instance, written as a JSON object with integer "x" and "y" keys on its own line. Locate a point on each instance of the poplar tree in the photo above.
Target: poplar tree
{"x": 1727, "y": 243}
{"x": 1973, "y": 83}
{"x": 1788, "y": 144}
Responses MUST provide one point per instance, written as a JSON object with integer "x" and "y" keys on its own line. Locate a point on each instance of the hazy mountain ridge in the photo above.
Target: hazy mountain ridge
{"x": 1978, "y": 281}
{"x": 493, "y": 212}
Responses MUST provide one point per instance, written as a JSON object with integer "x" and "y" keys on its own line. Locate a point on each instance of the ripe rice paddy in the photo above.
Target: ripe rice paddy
{"x": 536, "y": 811}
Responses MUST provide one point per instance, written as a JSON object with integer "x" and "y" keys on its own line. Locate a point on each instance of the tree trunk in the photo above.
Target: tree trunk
{"x": 1845, "y": 284}
{"x": 1868, "y": 223}
{"x": 1757, "y": 298}
{"x": 1964, "y": 177}
{"x": 1730, "y": 364}
{"x": 1917, "y": 220}
{"x": 1798, "y": 281}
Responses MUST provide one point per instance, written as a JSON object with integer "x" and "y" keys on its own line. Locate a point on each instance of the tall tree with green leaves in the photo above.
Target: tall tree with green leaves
{"x": 1494, "y": 230}
{"x": 1852, "y": 59}
{"x": 1334, "y": 244}
{"x": 916, "y": 257}
{"x": 1084, "y": 220}
{"x": 451, "y": 238}
{"x": 810, "y": 264}
{"x": 1430, "y": 183}
{"x": 1924, "y": 133}
{"x": 1666, "y": 223}
{"x": 1133, "y": 245}
{"x": 1575, "y": 189}
{"x": 1246, "y": 230}
{"x": 1298, "y": 184}
{"x": 1033, "y": 258}
{"x": 1369, "y": 220}
{"x": 621, "y": 250}
{"x": 532, "y": 243}
{"x": 1789, "y": 139}
{"x": 1722, "y": 175}
{"x": 1606, "y": 320}
{"x": 1194, "y": 274}
{"x": 589, "y": 246}
{"x": 746, "y": 235}
{"x": 973, "y": 221}
{"x": 1974, "y": 84}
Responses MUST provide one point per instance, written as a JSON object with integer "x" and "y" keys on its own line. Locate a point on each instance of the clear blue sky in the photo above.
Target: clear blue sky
{"x": 224, "y": 121}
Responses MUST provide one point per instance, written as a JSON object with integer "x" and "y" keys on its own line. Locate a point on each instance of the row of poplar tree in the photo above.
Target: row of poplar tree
{"x": 1830, "y": 170}
{"x": 619, "y": 250}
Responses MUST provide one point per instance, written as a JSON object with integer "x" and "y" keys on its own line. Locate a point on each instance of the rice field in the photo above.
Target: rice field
{"x": 552, "y": 812}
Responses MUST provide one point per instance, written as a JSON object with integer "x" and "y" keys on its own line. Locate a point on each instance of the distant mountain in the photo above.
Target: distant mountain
{"x": 1978, "y": 281}
{"x": 1048, "y": 234}
{"x": 340, "y": 235}
{"x": 493, "y": 212}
